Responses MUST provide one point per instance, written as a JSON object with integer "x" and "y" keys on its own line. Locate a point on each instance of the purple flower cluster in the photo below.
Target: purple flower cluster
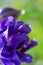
{"x": 14, "y": 41}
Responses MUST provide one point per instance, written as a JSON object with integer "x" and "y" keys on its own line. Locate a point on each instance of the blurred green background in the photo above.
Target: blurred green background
{"x": 33, "y": 16}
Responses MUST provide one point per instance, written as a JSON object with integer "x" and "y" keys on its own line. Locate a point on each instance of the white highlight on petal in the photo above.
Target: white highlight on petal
{"x": 1, "y": 50}
{"x": 28, "y": 58}
{"x": 20, "y": 27}
{"x": 23, "y": 12}
{"x": 6, "y": 33}
{"x": 10, "y": 18}
{"x": 9, "y": 41}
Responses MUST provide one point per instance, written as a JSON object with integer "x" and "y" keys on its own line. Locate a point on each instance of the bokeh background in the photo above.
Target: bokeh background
{"x": 33, "y": 16}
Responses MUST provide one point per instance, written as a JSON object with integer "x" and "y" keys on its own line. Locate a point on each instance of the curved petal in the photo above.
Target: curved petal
{"x": 29, "y": 45}
{"x": 25, "y": 29}
{"x": 25, "y": 57}
{"x": 22, "y": 28}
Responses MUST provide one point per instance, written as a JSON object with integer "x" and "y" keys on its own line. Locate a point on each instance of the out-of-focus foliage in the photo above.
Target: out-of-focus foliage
{"x": 33, "y": 16}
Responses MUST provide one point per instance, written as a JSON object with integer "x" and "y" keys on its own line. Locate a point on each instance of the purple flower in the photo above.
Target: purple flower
{"x": 14, "y": 41}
